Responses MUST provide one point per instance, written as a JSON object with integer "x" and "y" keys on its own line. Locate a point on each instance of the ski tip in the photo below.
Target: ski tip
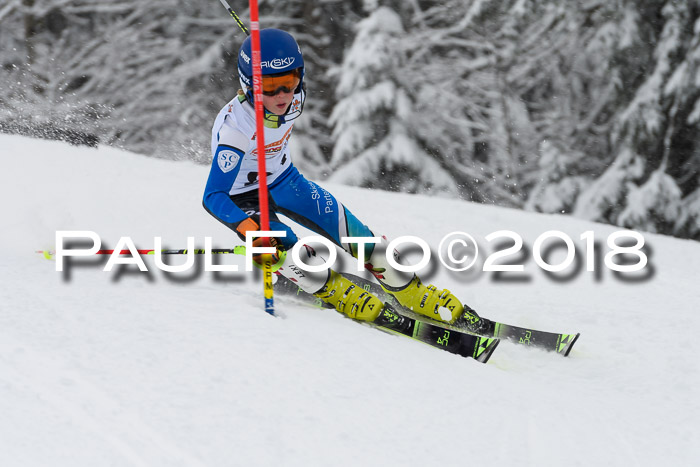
{"x": 565, "y": 351}
{"x": 485, "y": 348}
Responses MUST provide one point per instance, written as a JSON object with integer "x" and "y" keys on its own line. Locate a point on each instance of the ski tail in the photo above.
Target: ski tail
{"x": 566, "y": 343}
{"x": 485, "y": 348}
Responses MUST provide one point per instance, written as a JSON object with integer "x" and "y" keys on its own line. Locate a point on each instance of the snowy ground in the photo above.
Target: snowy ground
{"x": 154, "y": 369}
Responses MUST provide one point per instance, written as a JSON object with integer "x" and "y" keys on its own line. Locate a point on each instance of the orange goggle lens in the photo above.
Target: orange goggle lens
{"x": 287, "y": 82}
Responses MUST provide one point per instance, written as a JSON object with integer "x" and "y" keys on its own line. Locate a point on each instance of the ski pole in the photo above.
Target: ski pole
{"x": 239, "y": 250}
{"x": 235, "y": 17}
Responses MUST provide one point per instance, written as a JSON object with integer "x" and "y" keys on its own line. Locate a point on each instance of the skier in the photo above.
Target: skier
{"x": 231, "y": 193}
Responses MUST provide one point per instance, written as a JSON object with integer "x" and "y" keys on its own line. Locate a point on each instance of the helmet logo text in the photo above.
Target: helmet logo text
{"x": 278, "y": 63}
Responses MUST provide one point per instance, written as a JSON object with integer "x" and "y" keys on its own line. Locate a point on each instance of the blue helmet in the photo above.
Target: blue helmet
{"x": 279, "y": 53}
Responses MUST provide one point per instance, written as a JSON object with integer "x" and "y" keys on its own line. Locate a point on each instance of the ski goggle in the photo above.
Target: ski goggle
{"x": 283, "y": 82}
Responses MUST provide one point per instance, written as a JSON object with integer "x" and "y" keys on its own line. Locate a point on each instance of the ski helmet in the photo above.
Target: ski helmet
{"x": 279, "y": 53}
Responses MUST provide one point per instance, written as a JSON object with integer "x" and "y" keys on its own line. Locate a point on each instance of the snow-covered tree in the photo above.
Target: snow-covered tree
{"x": 657, "y": 122}
{"x": 148, "y": 76}
{"x": 556, "y": 190}
{"x": 375, "y": 117}
{"x": 557, "y": 106}
{"x": 323, "y": 30}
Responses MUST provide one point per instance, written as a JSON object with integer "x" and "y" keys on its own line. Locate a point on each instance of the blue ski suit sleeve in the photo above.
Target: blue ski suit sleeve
{"x": 224, "y": 169}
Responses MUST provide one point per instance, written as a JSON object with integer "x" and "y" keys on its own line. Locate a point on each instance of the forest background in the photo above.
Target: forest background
{"x": 589, "y": 108}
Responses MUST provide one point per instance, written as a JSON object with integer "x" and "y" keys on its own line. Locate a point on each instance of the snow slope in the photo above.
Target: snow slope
{"x": 153, "y": 369}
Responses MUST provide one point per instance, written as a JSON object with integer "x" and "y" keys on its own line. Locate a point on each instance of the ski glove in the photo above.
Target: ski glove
{"x": 249, "y": 224}
{"x": 252, "y": 224}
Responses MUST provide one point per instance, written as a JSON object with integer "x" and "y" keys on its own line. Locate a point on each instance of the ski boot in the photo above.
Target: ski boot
{"x": 440, "y": 305}
{"x": 350, "y": 299}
